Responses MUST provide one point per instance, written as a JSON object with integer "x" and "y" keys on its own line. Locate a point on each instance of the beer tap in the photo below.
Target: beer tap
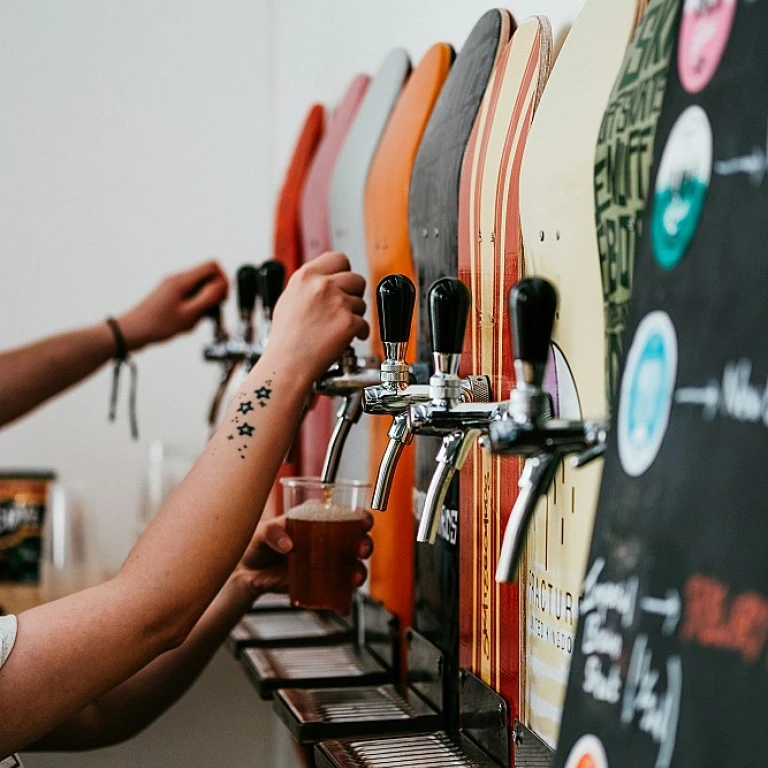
{"x": 448, "y": 414}
{"x": 226, "y": 351}
{"x": 526, "y": 426}
{"x": 449, "y": 304}
{"x": 271, "y": 280}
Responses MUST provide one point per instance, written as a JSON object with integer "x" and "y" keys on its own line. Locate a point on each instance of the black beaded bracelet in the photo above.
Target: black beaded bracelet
{"x": 123, "y": 357}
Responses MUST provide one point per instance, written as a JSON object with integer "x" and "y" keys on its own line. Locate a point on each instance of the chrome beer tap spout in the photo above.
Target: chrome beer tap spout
{"x": 227, "y": 351}
{"x": 526, "y": 427}
{"x": 451, "y": 412}
{"x": 402, "y": 385}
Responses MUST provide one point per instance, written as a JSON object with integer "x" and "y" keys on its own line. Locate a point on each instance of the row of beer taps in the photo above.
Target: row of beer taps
{"x": 460, "y": 410}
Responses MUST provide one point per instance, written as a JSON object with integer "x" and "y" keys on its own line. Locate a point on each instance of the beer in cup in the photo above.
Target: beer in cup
{"x": 326, "y": 523}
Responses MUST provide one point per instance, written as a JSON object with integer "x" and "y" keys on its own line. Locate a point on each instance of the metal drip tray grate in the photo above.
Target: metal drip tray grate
{"x": 432, "y": 750}
{"x": 316, "y": 714}
{"x": 314, "y": 667}
{"x": 530, "y": 750}
{"x": 292, "y": 627}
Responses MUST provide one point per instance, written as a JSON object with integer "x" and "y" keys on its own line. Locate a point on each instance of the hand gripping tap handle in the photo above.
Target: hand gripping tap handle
{"x": 532, "y": 308}
{"x": 271, "y": 280}
{"x": 247, "y": 288}
{"x": 395, "y": 299}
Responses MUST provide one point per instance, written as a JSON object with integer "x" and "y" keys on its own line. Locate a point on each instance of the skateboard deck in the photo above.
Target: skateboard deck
{"x": 316, "y": 237}
{"x": 490, "y": 263}
{"x": 623, "y": 165}
{"x": 560, "y": 244}
{"x": 389, "y": 251}
{"x": 347, "y": 211}
{"x": 433, "y": 212}
{"x": 680, "y": 531}
{"x": 288, "y": 248}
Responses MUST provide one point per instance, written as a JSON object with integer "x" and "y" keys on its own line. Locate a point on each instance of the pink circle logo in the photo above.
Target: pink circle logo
{"x": 704, "y": 33}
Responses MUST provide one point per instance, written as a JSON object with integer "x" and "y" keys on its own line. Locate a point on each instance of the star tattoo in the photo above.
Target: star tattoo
{"x": 245, "y": 407}
{"x": 263, "y": 393}
{"x": 231, "y": 437}
{"x": 245, "y": 429}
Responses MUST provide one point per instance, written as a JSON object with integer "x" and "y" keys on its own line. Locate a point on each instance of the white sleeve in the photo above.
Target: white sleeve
{"x": 7, "y": 637}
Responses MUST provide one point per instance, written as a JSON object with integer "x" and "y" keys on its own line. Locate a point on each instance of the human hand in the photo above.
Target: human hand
{"x": 318, "y": 315}
{"x": 175, "y": 306}
{"x": 264, "y": 566}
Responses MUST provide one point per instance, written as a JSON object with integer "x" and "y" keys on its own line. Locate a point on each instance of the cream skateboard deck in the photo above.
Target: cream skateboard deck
{"x": 347, "y": 211}
{"x": 680, "y": 532}
{"x": 557, "y": 210}
{"x": 316, "y": 233}
{"x": 490, "y": 263}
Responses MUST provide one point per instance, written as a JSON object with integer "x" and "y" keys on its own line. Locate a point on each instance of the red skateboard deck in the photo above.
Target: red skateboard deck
{"x": 316, "y": 236}
{"x": 490, "y": 263}
{"x": 389, "y": 251}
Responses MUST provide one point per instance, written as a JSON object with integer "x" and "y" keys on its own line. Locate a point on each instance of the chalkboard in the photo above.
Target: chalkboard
{"x": 670, "y": 660}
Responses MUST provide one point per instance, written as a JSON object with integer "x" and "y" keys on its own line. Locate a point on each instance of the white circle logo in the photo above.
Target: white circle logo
{"x": 646, "y": 392}
{"x": 587, "y": 752}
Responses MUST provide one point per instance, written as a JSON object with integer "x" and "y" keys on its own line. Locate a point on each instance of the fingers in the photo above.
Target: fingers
{"x": 190, "y": 280}
{"x": 350, "y": 282}
{"x": 361, "y": 574}
{"x": 275, "y": 537}
{"x": 356, "y": 305}
{"x": 361, "y": 329}
{"x": 365, "y": 548}
{"x": 329, "y": 263}
{"x": 367, "y": 522}
{"x": 208, "y": 296}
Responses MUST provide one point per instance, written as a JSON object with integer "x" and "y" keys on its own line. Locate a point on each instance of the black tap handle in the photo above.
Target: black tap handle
{"x": 271, "y": 282}
{"x": 395, "y": 297}
{"x": 214, "y": 313}
{"x": 532, "y": 307}
{"x": 247, "y": 288}
{"x": 449, "y": 301}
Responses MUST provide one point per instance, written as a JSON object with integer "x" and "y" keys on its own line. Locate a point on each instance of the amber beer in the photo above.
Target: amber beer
{"x": 321, "y": 565}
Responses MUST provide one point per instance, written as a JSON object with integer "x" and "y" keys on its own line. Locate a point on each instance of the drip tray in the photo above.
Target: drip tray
{"x": 435, "y": 750}
{"x": 293, "y": 627}
{"x": 316, "y": 714}
{"x": 312, "y": 667}
{"x": 530, "y": 750}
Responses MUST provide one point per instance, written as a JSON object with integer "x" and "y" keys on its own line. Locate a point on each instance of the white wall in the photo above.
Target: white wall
{"x": 136, "y": 138}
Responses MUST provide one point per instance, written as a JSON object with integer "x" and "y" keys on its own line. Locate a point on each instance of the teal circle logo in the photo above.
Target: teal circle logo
{"x": 647, "y": 386}
{"x": 681, "y": 187}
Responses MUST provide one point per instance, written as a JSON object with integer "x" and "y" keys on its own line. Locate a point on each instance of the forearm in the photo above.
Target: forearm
{"x": 132, "y": 706}
{"x": 32, "y": 374}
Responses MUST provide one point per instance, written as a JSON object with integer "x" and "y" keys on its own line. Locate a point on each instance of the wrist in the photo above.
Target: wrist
{"x": 296, "y": 380}
{"x": 135, "y": 336}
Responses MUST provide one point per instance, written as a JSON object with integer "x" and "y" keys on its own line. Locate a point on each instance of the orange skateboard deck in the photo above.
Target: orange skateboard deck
{"x": 490, "y": 263}
{"x": 557, "y": 208}
{"x": 389, "y": 251}
{"x": 316, "y": 239}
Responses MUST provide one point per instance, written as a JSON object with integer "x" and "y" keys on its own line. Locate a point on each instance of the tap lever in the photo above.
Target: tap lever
{"x": 395, "y": 298}
{"x": 271, "y": 280}
{"x": 215, "y": 314}
{"x": 348, "y": 414}
{"x": 449, "y": 302}
{"x": 247, "y": 288}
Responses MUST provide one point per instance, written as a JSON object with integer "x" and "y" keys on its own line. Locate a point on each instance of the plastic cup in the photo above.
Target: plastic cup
{"x": 325, "y": 523}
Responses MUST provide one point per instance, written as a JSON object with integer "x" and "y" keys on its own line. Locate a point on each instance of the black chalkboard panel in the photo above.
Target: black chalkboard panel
{"x": 670, "y": 664}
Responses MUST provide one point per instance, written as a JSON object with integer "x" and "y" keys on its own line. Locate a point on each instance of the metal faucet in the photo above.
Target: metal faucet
{"x": 449, "y": 413}
{"x": 402, "y": 385}
{"x": 526, "y": 427}
{"x": 247, "y": 345}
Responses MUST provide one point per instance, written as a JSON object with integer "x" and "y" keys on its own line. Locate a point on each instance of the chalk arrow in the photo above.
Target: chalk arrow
{"x": 668, "y": 607}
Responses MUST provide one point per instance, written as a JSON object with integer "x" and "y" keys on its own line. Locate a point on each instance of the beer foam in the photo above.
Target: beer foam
{"x": 328, "y": 513}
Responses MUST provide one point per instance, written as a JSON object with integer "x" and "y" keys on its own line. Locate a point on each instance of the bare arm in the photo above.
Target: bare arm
{"x": 70, "y": 652}
{"x": 132, "y": 706}
{"x": 32, "y": 374}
